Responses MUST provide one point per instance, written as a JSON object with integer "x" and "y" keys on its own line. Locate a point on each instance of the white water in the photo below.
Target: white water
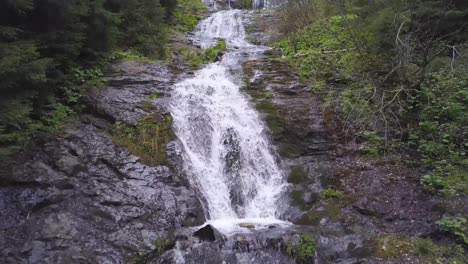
{"x": 223, "y": 24}
{"x": 226, "y": 150}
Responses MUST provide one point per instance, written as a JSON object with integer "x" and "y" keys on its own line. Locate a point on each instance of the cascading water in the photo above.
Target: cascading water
{"x": 227, "y": 152}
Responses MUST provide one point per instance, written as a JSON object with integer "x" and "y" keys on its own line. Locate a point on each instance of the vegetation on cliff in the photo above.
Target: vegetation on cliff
{"x": 395, "y": 75}
{"x": 52, "y": 51}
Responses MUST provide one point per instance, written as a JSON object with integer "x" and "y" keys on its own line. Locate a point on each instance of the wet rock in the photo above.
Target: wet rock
{"x": 208, "y": 233}
{"x": 258, "y": 247}
{"x": 84, "y": 199}
{"x": 247, "y": 225}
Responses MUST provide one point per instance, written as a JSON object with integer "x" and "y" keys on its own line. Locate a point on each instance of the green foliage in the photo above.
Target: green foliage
{"x": 147, "y": 139}
{"x": 324, "y": 50}
{"x": 91, "y": 76}
{"x": 304, "y": 251}
{"x": 391, "y": 77}
{"x": 131, "y": 55}
{"x": 331, "y": 194}
{"x": 394, "y": 246}
{"x": 52, "y": 51}
{"x": 197, "y": 57}
{"x": 144, "y": 28}
{"x": 442, "y": 104}
{"x": 187, "y": 15}
{"x": 19, "y": 128}
{"x": 374, "y": 145}
{"x": 440, "y": 137}
{"x": 457, "y": 226}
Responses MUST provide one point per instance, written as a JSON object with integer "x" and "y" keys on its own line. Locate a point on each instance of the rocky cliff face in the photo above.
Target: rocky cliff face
{"x": 83, "y": 199}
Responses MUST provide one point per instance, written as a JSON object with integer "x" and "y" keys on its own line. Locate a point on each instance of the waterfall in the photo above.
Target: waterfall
{"x": 227, "y": 153}
{"x": 259, "y": 4}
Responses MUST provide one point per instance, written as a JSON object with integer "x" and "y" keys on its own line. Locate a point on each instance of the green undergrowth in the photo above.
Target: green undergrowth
{"x": 401, "y": 103}
{"x": 304, "y": 251}
{"x": 131, "y": 55}
{"x": 458, "y": 226}
{"x": 146, "y": 139}
{"x": 394, "y": 247}
{"x": 197, "y": 57}
{"x": 22, "y": 124}
{"x": 188, "y": 14}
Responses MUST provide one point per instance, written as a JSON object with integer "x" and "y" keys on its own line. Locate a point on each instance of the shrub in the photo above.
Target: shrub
{"x": 304, "y": 251}
{"x": 331, "y": 194}
{"x": 457, "y": 226}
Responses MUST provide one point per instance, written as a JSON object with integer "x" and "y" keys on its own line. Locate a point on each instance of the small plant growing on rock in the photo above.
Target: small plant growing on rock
{"x": 146, "y": 139}
{"x": 331, "y": 194}
{"x": 161, "y": 244}
{"x": 304, "y": 251}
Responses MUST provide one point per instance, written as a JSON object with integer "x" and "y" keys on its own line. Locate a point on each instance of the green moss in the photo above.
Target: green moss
{"x": 297, "y": 198}
{"x": 274, "y": 123}
{"x": 257, "y": 95}
{"x": 289, "y": 151}
{"x": 272, "y": 117}
{"x": 333, "y": 210}
{"x": 147, "y": 139}
{"x": 312, "y": 217}
{"x": 331, "y": 194}
{"x": 395, "y": 246}
{"x": 297, "y": 175}
{"x": 266, "y": 107}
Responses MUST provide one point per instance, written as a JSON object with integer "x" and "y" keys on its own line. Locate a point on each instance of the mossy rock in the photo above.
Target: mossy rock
{"x": 312, "y": 217}
{"x": 289, "y": 151}
{"x": 274, "y": 123}
{"x": 390, "y": 246}
{"x": 330, "y": 194}
{"x": 297, "y": 198}
{"x": 297, "y": 175}
{"x": 147, "y": 139}
{"x": 333, "y": 210}
{"x": 266, "y": 107}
